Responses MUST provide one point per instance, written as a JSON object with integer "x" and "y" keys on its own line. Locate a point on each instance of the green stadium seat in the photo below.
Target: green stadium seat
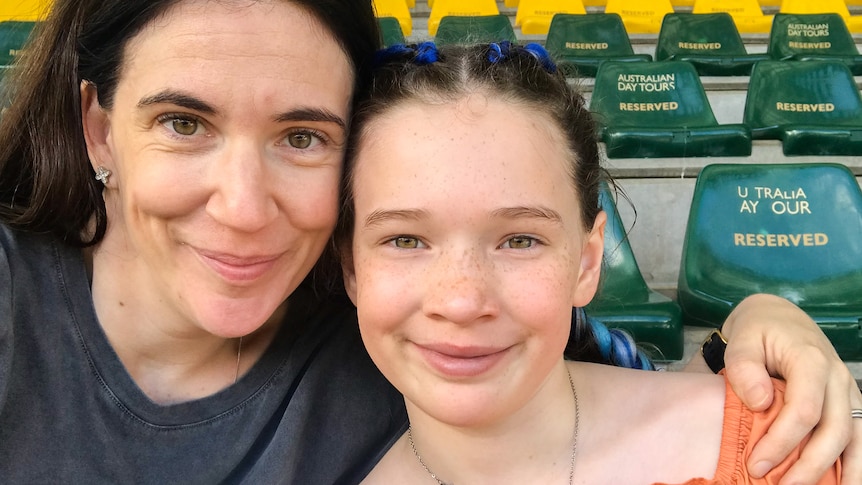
{"x": 625, "y": 301}
{"x": 482, "y": 28}
{"x": 710, "y": 42}
{"x": 791, "y": 230}
{"x": 804, "y": 37}
{"x": 390, "y": 31}
{"x": 813, "y": 107}
{"x": 579, "y": 43}
{"x": 659, "y": 109}
{"x": 13, "y": 37}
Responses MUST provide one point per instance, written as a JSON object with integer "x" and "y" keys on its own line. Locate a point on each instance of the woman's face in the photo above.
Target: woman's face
{"x": 225, "y": 141}
{"x": 468, "y": 254}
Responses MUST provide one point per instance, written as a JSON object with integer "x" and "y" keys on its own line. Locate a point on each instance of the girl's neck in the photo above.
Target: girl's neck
{"x": 533, "y": 445}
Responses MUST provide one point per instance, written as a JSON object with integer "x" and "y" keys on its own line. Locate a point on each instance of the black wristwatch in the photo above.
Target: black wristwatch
{"x": 712, "y": 350}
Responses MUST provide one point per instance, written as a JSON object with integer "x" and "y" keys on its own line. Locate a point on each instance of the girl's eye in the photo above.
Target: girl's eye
{"x": 303, "y": 139}
{"x": 406, "y": 242}
{"x": 519, "y": 242}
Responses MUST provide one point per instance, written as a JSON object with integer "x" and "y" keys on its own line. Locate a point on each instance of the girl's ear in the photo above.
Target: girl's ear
{"x": 591, "y": 263}
{"x": 96, "y": 128}
{"x": 349, "y": 273}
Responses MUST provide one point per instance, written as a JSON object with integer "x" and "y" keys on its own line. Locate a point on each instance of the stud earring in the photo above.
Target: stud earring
{"x": 102, "y": 175}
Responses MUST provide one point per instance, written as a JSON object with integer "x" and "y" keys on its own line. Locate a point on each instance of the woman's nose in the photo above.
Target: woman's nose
{"x": 242, "y": 196}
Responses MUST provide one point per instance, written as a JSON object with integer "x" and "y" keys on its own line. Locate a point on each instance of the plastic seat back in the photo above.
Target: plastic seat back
{"x": 814, "y": 107}
{"x": 24, "y": 10}
{"x": 390, "y": 31}
{"x": 534, "y": 16}
{"x": 640, "y": 16}
{"x": 747, "y": 14}
{"x": 787, "y": 229}
{"x": 459, "y": 8}
{"x": 465, "y": 30}
{"x": 13, "y": 37}
{"x": 814, "y": 37}
{"x": 854, "y": 22}
{"x": 709, "y": 41}
{"x": 625, "y": 301}
{"x": 580, "y": 43}
{"x": 659, "y": 109}
{"x": 397, "y": 9}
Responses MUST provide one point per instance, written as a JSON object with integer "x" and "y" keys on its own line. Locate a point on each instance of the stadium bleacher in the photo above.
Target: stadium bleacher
{"x": 662, "y": 187}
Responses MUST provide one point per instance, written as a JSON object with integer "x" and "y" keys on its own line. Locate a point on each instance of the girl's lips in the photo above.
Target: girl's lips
{"x": 461, "y": 362}
{"x": 237, "y": 269}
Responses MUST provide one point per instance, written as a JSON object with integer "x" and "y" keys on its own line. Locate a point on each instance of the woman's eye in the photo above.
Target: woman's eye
{"x": 184, "y": 126}
{"x": 519, "y": 242}
{"x": 406, "y": 242}
{"x": 302, "y": 139}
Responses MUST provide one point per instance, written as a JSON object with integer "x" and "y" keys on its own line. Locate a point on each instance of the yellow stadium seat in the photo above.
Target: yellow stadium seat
{"x": 747, "y": 15}
{"x": 397, "y": 9}
{"x": 24, "y": 10}
{"x": 411, "y": 3}
{"x": 769, "y": 3}
{"x": 853, "y": 22}
{"x": 511, "y": 3}
{"x": 459, "y": 8}
{"x": 534, "y": 16}
{"x": 640, "y": 16}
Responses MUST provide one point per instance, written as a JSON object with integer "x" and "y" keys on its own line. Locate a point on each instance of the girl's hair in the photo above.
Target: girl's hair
{"x": 523, "y": 75}
{"x": 46, "y": 181}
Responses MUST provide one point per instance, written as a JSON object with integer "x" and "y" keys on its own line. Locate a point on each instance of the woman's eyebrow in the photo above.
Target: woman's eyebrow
{"x": 312, "y": 114}
{"x": 178, "y": 98}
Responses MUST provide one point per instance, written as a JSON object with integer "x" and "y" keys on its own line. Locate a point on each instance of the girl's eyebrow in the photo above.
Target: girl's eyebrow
{"x": 380, "y": 216}
{"x": 531, "y": 212}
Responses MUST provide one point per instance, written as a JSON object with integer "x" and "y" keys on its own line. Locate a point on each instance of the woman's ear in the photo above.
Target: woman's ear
{"x": 97, "y": 128}
{"x": 592, "y": 256}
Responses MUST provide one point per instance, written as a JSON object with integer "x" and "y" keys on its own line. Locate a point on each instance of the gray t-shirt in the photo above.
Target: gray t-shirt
{"x": 313, "y": 410}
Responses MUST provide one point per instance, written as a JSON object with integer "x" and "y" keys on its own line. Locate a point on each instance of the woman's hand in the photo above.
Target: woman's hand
{"x": 768, "y": 335}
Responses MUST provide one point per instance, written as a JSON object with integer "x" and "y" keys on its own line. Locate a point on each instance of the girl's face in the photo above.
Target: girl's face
{"x": 225, "y": 141}
{"x": 468, "y": 254}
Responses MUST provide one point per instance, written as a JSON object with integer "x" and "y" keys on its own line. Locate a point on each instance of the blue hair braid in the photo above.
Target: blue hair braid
{"x": 616, "y": 346}
{"x": 542, "y": 55}
{"x": 426, "y": 53}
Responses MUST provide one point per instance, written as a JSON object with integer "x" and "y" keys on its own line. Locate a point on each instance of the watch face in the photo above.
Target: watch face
{"x": 713, "y": 351}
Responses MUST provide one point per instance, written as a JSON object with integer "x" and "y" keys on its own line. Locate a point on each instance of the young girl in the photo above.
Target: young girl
{"x": 472, "y": 229}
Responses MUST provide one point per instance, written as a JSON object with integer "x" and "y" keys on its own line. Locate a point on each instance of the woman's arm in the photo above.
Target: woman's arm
{"x": 768, "y": 335}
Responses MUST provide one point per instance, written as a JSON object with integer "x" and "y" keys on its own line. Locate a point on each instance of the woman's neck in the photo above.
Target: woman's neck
{"x": 533, "y": 445}
{"x": 170, "y": 359}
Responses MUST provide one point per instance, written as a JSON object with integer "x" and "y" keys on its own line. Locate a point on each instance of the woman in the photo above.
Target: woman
{"x": 193, "y": 149}
{"x": 465, "y": 307}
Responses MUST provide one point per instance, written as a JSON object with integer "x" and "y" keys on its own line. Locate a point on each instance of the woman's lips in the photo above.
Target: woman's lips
{"x": 237, "y": 269}
{"x": 456, "y": 361}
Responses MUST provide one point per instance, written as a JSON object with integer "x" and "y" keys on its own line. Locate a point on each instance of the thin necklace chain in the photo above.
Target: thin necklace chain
{"x": 238, "y": 357}
{"x": 574, "y": 440}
